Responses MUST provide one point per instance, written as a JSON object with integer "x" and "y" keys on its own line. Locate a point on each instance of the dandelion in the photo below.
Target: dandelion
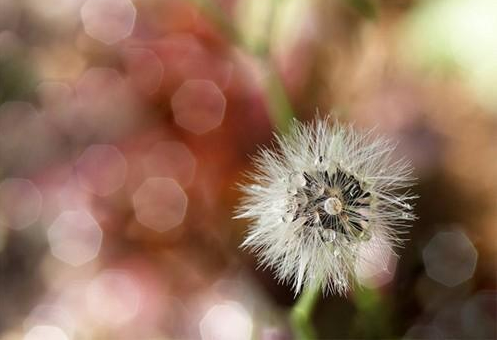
{"x": 323, "y": 202}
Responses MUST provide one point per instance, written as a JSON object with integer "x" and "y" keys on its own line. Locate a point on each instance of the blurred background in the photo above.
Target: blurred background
{"x": 125, "y": 125}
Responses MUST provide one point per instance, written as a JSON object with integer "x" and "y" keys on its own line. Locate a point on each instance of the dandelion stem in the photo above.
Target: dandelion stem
{"x": 373, "y": 315}
{"x": 302, "y": 313}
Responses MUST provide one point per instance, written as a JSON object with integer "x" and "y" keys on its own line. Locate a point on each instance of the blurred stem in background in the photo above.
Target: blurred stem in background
{"x": 280, "y": 108}
{"x": 365, "y": 7}
{"x": 279, "y": 104}
{"x": 214, "y": 12}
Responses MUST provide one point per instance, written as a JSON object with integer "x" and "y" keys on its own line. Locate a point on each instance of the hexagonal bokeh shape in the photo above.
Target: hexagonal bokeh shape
{"x": 450, "y": 258}
{"x": 160, "y": 204}
{"x": 145, "y": 69}
{"x": 101, "y": 169}
{"x": 227, "y": 321}
{"x": 198, "y": 106}
{"x": 171, "y": 159}
{"x": 51, "y": 315}
{"x": 113, "y": 297}
{"x": 108, "y": 21}
{"x": 20, "y": 203}
{"x": 75, "y": 237}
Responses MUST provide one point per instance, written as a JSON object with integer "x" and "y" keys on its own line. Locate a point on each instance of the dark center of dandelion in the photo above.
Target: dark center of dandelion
{"x": 334, "y": 202}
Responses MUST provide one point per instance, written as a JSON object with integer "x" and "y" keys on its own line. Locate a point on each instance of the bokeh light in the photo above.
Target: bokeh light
{"x": 101, "y": 169}
{"x": 20, "y": 203}
{"x": 198, "y": 106}
{"x": 145, "y": 68}
{"x": 44, "y": 332}
{"x": 226, "y": 321}
{"x": 50, "y": 315}
{"x": 71, "y": 296}
{"x": 75, "y": 237}
{"x": 113, "y": 297}
{"x": 160, "y": 204}
{"x": 63, "y": 193}
{"x": 450, "y": 258}
{"x": 108, "y": 20}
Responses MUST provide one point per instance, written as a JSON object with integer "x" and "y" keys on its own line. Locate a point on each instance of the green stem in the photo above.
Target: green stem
{"x": 279, "y": 104}
{"x": 302, "y": 313}
{"x": 280, "y": 108}
{"x": 373, "y": 315}
{"x": 216, "y": 14}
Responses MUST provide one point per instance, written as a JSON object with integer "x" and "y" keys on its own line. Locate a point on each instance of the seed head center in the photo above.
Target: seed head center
{"x": 333, "y": 206}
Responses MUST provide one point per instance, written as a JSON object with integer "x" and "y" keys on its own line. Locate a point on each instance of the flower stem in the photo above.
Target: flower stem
{"x": 302, "y": 313}
{"x": 373, "y": 316}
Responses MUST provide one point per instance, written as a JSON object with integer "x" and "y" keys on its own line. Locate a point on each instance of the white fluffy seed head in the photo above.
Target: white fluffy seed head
{"x": 326, "y": 198}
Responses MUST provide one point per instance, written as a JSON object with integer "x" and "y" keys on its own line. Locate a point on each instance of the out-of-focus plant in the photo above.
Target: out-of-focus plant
{"x": 455, "y": 37}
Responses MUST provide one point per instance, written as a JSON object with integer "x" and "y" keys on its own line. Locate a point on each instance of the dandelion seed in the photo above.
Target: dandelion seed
{"x": 328, "y": 193}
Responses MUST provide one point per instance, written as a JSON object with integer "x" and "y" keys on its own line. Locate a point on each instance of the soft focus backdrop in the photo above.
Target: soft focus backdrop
{"x": 125, "y": 125}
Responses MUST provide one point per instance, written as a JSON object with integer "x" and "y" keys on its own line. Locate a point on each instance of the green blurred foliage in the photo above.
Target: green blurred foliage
{"x": 455, "y": 37}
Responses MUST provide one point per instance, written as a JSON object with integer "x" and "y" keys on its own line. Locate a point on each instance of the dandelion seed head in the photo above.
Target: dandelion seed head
{"x": 324, "y": 201}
